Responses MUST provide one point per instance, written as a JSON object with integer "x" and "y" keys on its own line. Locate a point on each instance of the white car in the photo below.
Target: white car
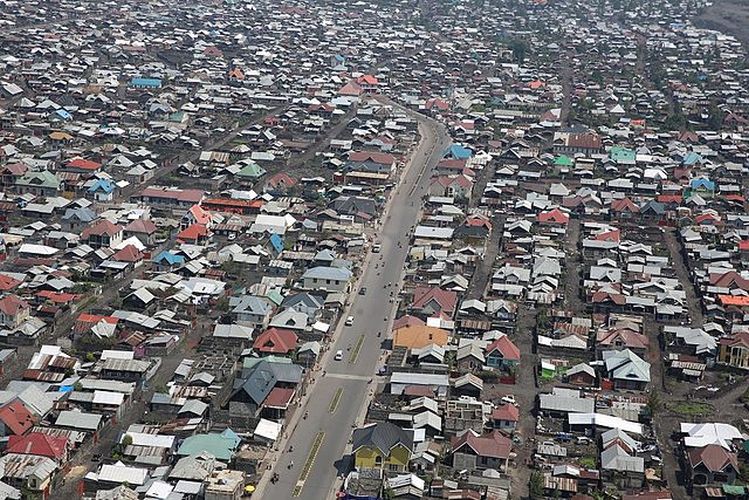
{"x": 349, "y": 321}
{"x": 338, "y": 355}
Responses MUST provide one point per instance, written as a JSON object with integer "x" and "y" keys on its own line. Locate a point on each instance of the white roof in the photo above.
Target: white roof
{"x": 607, "y": 421}
{"x": 120, "y": 473}
{"x": 159, "y": 489}
{"x": 703, "y": 434}
{"x": 108, "y": 398}
{"x": 155, "y": 440}
{"x": 268, "y": 430}
{"x": 29, "y": 248}
{"x": 109, "y": 353}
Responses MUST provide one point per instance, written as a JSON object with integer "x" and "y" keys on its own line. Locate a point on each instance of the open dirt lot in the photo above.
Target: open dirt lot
{"x": 729, "y": 16}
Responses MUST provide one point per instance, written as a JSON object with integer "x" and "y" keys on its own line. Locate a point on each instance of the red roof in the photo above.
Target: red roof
{"x": 554, "y": 216}
{"x": 509, "y": 413}
{"x": 37, "y": 443}
{"x": 279, "y": 397}
{"x": 8, "y": 282}
{"x": 141, "y": 226}
{"x": 193, "y": 233}
{"x": 407, "y": 321}
{"x": 186, "y": 195}
{"x": 493, "y": 445}
{"x": 352, "y": 89}
{"x": 99, "y": 228}
{"x": 713, "y": 457}
{"x": 373, "y": 156}
{"x": 275, "y": 341}
{"x": 200, "y": 215}
{"x": 281, "y": 179}
{"x": 624, "y": 205}
{"x": 82, "y": 164}
{"x": 58, "y": 297}
{"x": 505, "y": 347}
{"x": 446, "y": 299}
{"x": 17, "y": 418}
{"x": 367, "y": 80}
{"x": 738, "y": 339}
{"x": 128, "y": 254}
{"x": 10, "y": 305}
{"x": 669, "y": 198}
{"x": 730, "y": 279}
{"x": 743, "y": 245}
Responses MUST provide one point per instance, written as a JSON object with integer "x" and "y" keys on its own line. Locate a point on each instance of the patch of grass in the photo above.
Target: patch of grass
{"x": 692, "y": 409}
{"x": 336, "y": 399}
{"x": 357, "y": 348}
{"x": 312, "y": 455}
{"x": 588, "y": 462}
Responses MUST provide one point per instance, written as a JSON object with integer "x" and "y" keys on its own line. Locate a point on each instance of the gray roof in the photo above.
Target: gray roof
{"x": 383, "y": 436}
{"x": 195, "y": 467}
{"x": 328, "y": 273}
{"x": 567, "y": 401}
{"x": 259, "y": 380}
{"x": 251, "y": 304}
{"x": 79, "y": 420}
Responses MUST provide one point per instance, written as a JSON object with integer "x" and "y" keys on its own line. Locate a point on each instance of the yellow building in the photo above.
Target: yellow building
{"x": 382, "y": 446}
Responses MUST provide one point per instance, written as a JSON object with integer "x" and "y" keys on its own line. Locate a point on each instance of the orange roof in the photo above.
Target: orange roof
{"x": 734, "y": 300}
{"x": 193, "y": 232}
{"x": 418, "y": 336}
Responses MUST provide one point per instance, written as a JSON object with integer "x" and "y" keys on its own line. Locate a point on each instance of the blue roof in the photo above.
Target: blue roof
{"x": 277, "y": 242}
{"x": 701, "y": 182}
{"x": 63, "y": 114}
{"x": 169, "y": 258}
{"x": 458, "y": 152}
{"x": 103, "y": 185}
{"x": 691, "y": 158}
{"x": 146, "y": 82}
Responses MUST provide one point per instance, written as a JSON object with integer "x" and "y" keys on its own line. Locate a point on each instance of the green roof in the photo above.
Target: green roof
{"x": 563, "y": 161}
{"x": 275, "y": 296}
{"x": 251, "y": 170}
{"x": 42, "y": 178}
{"x": 249, "y": 362}
{"x": 221, "y": 446}
{"x": 622, "y": 155}
{"x": 731, "y": 489}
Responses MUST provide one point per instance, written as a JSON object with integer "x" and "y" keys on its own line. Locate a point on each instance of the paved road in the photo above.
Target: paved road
{"x": 372, "y": 312}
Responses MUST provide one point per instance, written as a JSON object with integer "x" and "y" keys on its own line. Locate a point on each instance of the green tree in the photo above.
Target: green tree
{"x": 536, "y": 485}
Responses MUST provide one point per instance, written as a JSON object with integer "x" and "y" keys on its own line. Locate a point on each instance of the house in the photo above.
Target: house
{"x": 41, "y": 444}
{"x": 40, "y": 183}
{"x": 471, "y": 451}
{"x": 582, "y": 374}
{"x": 102, "y": 234}
{"x": 275, "y": 341}
{"x": 330, "y": 279}
{"x": 711, "y": 465}
{"x": 502, "y": 354}
{"x": 626, "y": 369}
{"x": 75, "y": 219}
{"x": 15, "y": 419}
{"x": 434, "y": 301}
{"x": 419, "y": 336}
{"x": 505, "y": 417}
{"x": 143, "y": 229}
{"x": 734, "y": 351}
{"x": 382, "y": 446}
{"x": 30, "y": 473}
{"x": 250, "y": 310}
{"x": 266, "y": 380}
{"x": 14, "y": 311}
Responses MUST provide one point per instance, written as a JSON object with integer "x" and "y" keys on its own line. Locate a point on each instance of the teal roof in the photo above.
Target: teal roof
{"x": 221, "y": 446}
{"x": 622, "y": 155}
{"x": 250, "y": 362}
{"x": 252, "y": 170}
{"x": 42, "y": 178}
